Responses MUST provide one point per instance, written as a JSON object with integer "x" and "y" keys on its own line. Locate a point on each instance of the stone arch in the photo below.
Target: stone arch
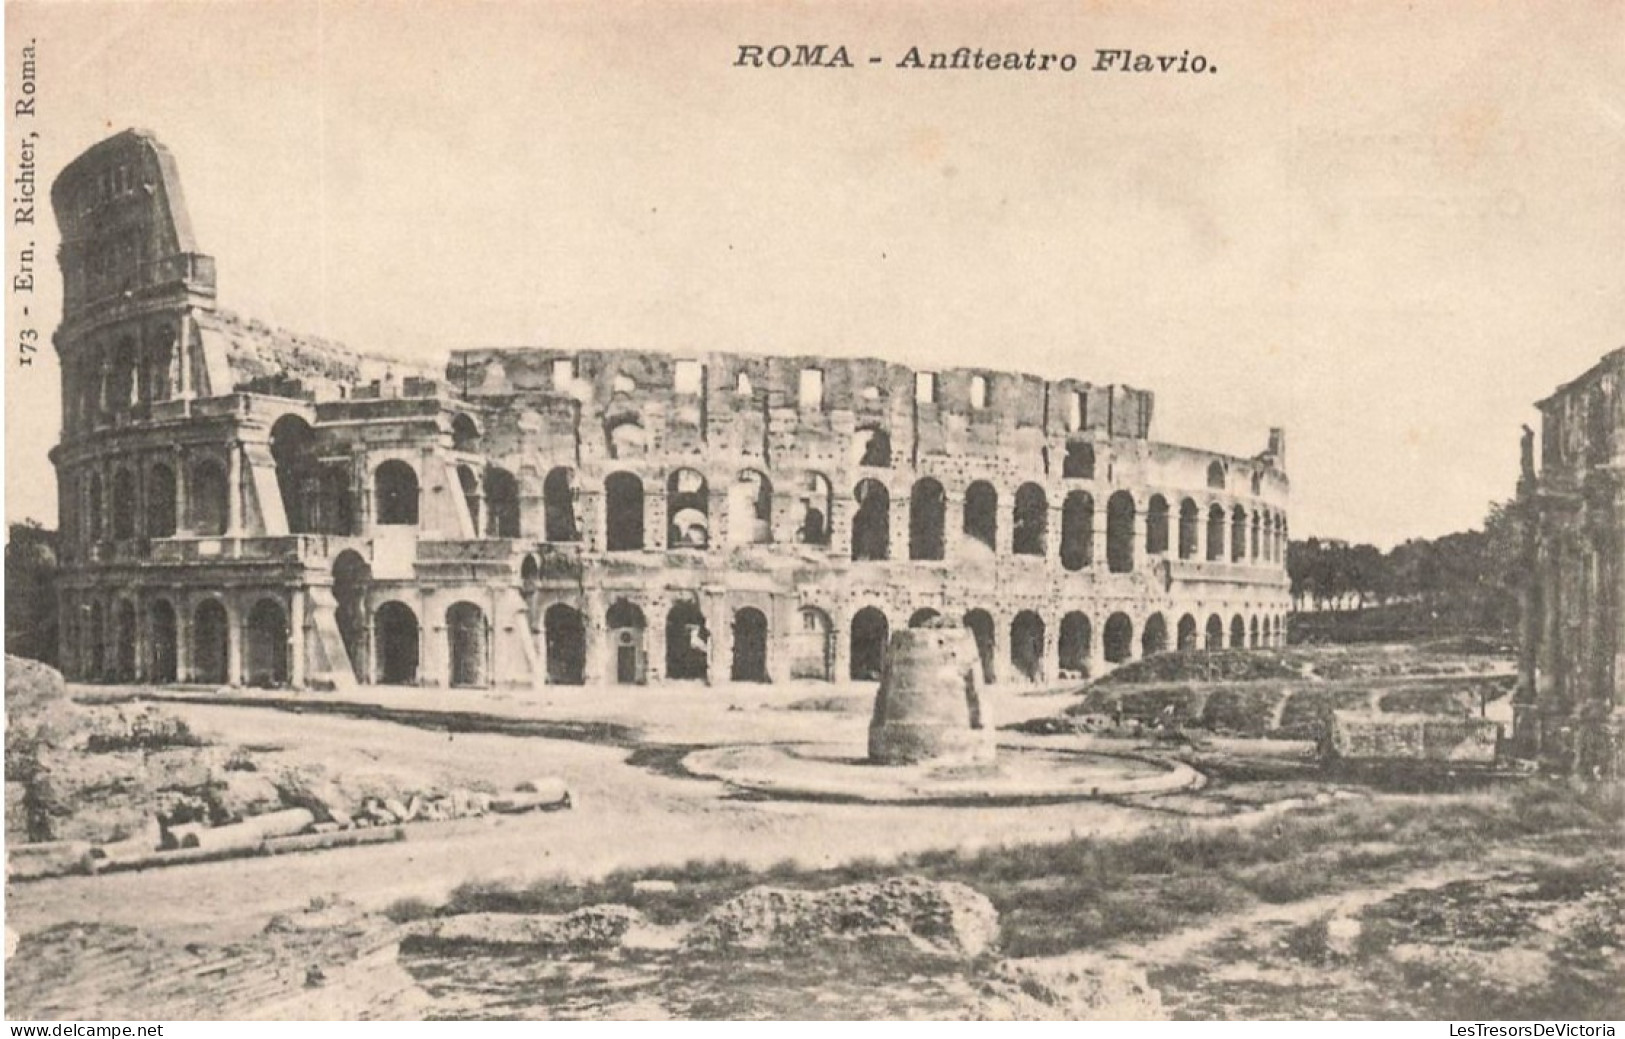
{"x": 1215, "y": 475}
{"x": 1215, "y": 633}
{"x": 210, "y": 632}
{"x": 124, "y": 512}
{"x": 624, "y": 438}
{"x": 981, "y": 519}
{"x": 927, "y": 519}
{"x": 465, "y": 433}
{"x": 559, "y": 506}
{"x": 871, "y": 447}
{"x": 93, "y": 507}
{"x": 501, "y": 503}
{"x": 565, "y": 641}
{"x": 871, "y": 524}
{"x": 96, "y": 645}
{"x": 337, "y": 506}
{"x": 980, "y": 624}
{"x": 163, "y": 642}
{"x": 1154, "y": 636}
{"x": 628, "y": 638}
{"x": 158, "y": 360}
{"x": 1156, "y": 526}
{"x": 351, "y": 577}
{"x": 395, "y": 491}
{"x": 1027, "y": 645}
{"x": 1077, "y": 530}
{"x": 923, "y": 616}
{"x": 396, "y": 638}
{"x": 688, "y": 642}
{"x": 469, "y": 484}
{"x": 870, "y": 631}
{"x": 1120, "y": 532}
{"x": 1030, "y": 521}
{"x": 466, "y": 645}
{"x": 1252, "y": 632}
{"x": 124, "y": 659}
{"x": 160, "y": 501}
{"x": 812, "y": 653}
{"x": 1075, "y": 643}
{"x": 1190, "y": 519}
{"x": 208, "y": 496}
{"x": 1118, "y": 638}
{"x": 1238, "y": 534}
{"x": 1215, "y": 532}
{"x": 1257, "y": 522}
{"x": 1238, "y": 632}
{"x": 749, "y": 645}
{"x": 750, "y": 509}
{"x": 1079, "y": 463}
{"x": 816, "y": 501}
{"x": 1186, "y": 634}
{"x": 623, "y": 512}
{"x": 688, "y": 509}
{"x": 298, "y": 473}
{"x": 1279, "y": 631}
{"x": 265, "y": 645}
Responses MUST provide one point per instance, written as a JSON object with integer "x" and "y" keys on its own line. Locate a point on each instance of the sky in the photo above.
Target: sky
{"x": 1388, "y": 227}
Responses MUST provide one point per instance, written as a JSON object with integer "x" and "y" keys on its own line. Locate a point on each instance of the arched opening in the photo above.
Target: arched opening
{"x": 1031, "y": 518}
{"x": 465, "y": 433}
{"x": 124, "y": 642}
{"x": 688, "y": 643}
{"x": 395, "y": 488}
{"x": 1215, "y": 533}
{"x": 465, "y": 645}
{"x": 298, "y": 473}
{"x": 812, "y": 651}
{"x": 1154, "y": 639}
{"x": 750, "y": 509}
{"x": 623, "y": 513}
{"x": 871, "y": 524}
{"x": 209, "y": 636}
{"x": 1076, "y": 635}
{"x": 1280, "y": 631}
{"x": 1252, "y": 633}
{"x": 265, "y": 658}
{"x": 688, "y": 506}
{"x": 337, "y": 506}
{"x": 1257, "y": 521}
{"x": 1079, "y": 463}
{"x": 1120, "y": 533}
{"x": 566, "y": 639}
{"x": 982, "y": 514}
{"x": 1215, "y": 634}
{"x": 1238, "y": 632}
{"x": 1027, "y": 645}
{"x": 469, "y": 484}
{"x": 927, "y": 518}
{"x": 559, "y": 506}
{"x": 1156, "y": 526}
{"x": 869, "y": 634}
{"x": 627, "y": 625}
{"x": 871, "y": 447}
{"x": 501, "y": 504}
{"x": 980, "y": 623}
{"x": 815, "y": 511}
{"x": 1118, "y": 638}
{"x": 1190, "y": 519}
{"x": 750, "y": 645}
{"x": 396, "y": 640}
{"x": 96, "y": 644}
{"x": 123, "y": 505}
{"x": 1077, "y": 530}
{"x": 1215, "y": 476}
{"x": 160, "y": 502}
{"x": 923, "y": 616}
{"x": 1186, "y": 633}
{"x": 162, "y": 657}
{"x": 158, "y": 360}
{"x": 625, "y": 438}
{"x": 351, "y": 575}
{"x": 1238, "y": 534}
{"x": 93, "y": 508}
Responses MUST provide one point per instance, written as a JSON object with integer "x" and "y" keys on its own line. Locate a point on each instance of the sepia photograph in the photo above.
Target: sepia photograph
{"x": 698, "y": 510}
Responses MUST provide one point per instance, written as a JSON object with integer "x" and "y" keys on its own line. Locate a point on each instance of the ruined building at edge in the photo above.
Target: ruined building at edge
{"x": 241, "y": 505}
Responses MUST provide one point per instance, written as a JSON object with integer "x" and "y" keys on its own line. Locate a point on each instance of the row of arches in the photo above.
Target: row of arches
{"x": 153, "y": 501}
{"x": 112, "y": 644}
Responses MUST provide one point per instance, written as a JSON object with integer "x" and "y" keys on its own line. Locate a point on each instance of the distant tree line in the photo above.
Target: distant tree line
{"x": 1467, "y": 580}
{"x": 31, "y": 592}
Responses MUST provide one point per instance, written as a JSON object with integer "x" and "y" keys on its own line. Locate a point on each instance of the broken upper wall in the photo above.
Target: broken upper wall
{"x": 1583, "y": 423}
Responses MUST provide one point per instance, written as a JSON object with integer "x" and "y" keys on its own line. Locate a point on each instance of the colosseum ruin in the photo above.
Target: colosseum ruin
{"x": 245, "y": 506}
